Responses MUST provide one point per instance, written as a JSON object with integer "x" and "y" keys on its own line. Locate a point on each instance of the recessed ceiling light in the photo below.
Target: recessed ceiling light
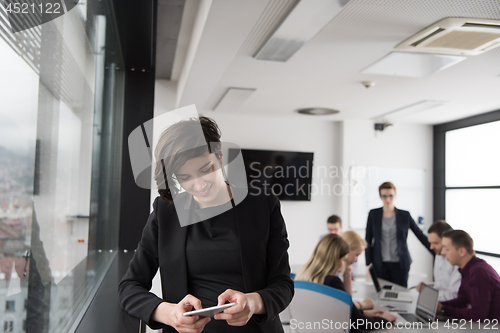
{"x": 412, "y": 64}
{"x": 412, "y": 109}
{"x": 317, "y": 111}
{"x": 304, "y": 21}
{"x": 233, "y": 99}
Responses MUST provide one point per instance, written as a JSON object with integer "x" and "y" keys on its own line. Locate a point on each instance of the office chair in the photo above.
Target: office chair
{"x": 317, "y": 308}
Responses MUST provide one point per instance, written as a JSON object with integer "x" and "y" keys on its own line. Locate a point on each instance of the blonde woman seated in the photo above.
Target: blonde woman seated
{"x": 356, "y": 246}
{"x": 328, "y": 257}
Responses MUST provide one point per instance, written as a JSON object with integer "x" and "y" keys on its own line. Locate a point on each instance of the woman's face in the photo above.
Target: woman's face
{"x": 342, "y": 262}
{"x": 202, "y": 178}
{"x": 353, "y": 255}
{"x": 387, "y": 195}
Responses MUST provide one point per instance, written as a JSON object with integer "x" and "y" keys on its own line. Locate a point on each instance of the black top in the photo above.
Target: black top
{"x": 335, "y": 282}
{"x": 263, "y": 245}
{"x": 214, "y": 264}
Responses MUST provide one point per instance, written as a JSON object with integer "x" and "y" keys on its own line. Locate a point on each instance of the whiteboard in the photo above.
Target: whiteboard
{"x": 363, "y": 192}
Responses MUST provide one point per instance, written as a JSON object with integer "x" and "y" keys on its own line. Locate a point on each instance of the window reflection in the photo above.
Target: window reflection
{"x": 60, "y": 133}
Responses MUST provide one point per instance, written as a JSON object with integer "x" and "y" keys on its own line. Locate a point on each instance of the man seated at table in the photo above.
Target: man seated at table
{"x": 479, "y": 293}
{"x": 334, "y": 225}
{"x": 446, "y": 276}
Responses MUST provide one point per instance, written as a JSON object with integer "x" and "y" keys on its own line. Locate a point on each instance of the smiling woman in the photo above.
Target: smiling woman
{"x": 210, "y": 246}
{"x": 202, "y": 178}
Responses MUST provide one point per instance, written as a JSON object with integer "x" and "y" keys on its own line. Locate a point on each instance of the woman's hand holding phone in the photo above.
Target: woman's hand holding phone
{"x": 172, "y": 315}
{"x": 247, "y": 305}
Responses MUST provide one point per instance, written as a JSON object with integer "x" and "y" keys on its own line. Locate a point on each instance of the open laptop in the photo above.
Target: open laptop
{"x": 389, "y": 295}
{"x": 425, "y": 312}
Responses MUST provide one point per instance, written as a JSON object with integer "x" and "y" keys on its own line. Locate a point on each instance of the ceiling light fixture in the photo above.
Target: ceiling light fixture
{"x": 412, "y": 64}
{"x": 317, "y": 111}
{"x": 411, "y": 109}
{"x": 232, "y": 99}
{"x": 304, "y": 21}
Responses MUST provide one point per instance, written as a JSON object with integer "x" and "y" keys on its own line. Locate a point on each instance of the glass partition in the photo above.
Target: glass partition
{"x": 61, "y": 95}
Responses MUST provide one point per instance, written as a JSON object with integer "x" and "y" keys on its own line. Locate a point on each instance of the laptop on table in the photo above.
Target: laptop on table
{"x": 389, "y": 295}
{"x": 425, "y": 312}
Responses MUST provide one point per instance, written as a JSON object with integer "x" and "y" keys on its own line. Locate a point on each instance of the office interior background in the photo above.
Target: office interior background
{"x": 73, "y": 89}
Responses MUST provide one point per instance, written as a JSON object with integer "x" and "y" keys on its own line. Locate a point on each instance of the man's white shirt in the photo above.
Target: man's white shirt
{"x": 447, "y": 279}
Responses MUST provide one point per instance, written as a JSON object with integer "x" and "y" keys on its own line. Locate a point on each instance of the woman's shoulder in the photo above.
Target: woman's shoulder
{"x": 401, "y": 211}
{"x": 162, "y": 204}
{"x": 165, "y": 208}
{"x": 334, "y": 282}
{"x": 375, "y": 210}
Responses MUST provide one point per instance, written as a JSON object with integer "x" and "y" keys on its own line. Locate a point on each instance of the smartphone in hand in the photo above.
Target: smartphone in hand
{"x": 209, "y": 312}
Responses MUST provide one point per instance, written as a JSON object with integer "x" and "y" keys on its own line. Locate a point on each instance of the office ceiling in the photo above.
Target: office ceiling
{"x": 218, "y": 38}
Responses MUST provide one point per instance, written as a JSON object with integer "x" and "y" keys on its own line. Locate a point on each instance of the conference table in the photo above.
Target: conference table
{"x": 363, "y": 288}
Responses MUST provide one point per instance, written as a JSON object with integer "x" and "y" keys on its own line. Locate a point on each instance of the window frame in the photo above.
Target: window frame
{"x": 439, "y": 164}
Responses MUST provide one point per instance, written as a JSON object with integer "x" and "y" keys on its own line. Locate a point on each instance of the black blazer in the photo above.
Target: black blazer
{"x": 404, "y": 222}
{"x": 263, "y": 242}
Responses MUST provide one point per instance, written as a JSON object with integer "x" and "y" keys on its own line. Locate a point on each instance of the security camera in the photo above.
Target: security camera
{"x": 381, "y": 126}
{"x": 368, "y": 84}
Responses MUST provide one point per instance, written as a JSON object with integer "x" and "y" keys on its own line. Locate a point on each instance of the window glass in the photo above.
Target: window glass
{"x": 493, "y": 261}
{"x": 472, "y": 156}
{"x": 61, "y": 93}
{"x": 476, "y": 211}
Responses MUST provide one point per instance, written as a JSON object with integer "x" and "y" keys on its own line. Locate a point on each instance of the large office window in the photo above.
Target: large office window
{"x": 61, "y": 93}
{"x": 470, "y": 184}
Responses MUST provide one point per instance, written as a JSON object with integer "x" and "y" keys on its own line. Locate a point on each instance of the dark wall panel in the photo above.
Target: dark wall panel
{"x": 135, "y": 201}
{"x": 136, "y": 21}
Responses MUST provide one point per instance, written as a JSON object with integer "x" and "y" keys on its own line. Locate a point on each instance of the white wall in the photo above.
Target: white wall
{"x": 398, "y": 146}
{"x": 305, "y": 220}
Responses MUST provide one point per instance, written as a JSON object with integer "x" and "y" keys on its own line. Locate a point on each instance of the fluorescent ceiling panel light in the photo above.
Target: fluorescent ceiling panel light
{"x": 412, "y": 109}
{"x": 305, "y": 20}
{"x": 412, "y": 64}
{"x": 233, "y": 99}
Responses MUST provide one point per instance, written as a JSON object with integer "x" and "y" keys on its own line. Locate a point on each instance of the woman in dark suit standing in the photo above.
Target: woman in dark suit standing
{"x": 233, "y": 248}
{"x": 386, "y": 236}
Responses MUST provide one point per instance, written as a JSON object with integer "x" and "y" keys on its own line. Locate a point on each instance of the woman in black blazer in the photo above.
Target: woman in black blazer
{"x": 235, "y": 252}
{"x": 386, "y": 235}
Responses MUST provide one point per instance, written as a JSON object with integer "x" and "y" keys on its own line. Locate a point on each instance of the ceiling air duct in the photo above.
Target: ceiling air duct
{"x": 456, "y": 36}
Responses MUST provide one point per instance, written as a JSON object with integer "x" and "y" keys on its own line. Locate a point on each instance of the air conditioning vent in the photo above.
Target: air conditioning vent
{"x": 481, "y": 25}
{"x": 456, "y": 36}
{"x": 438, "y": 30}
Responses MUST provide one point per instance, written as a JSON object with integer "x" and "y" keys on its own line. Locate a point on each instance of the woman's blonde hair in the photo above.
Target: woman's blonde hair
{"x": 354, "y": 240}
{"x": 325, "y": 259}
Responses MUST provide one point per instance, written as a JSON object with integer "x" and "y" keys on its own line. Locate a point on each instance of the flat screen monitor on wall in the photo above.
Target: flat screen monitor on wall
{"x": 287, "y": 174}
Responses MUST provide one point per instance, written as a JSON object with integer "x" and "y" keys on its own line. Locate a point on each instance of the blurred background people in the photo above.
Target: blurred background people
{"x": 328, "y": 257}
{"x": 334, "y": 225}
{"x": 447, "y": 278}
{"x": 479, "y": 293}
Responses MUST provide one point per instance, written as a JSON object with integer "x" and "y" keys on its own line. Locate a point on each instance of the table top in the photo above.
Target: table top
{"x": 363, "y": 288}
